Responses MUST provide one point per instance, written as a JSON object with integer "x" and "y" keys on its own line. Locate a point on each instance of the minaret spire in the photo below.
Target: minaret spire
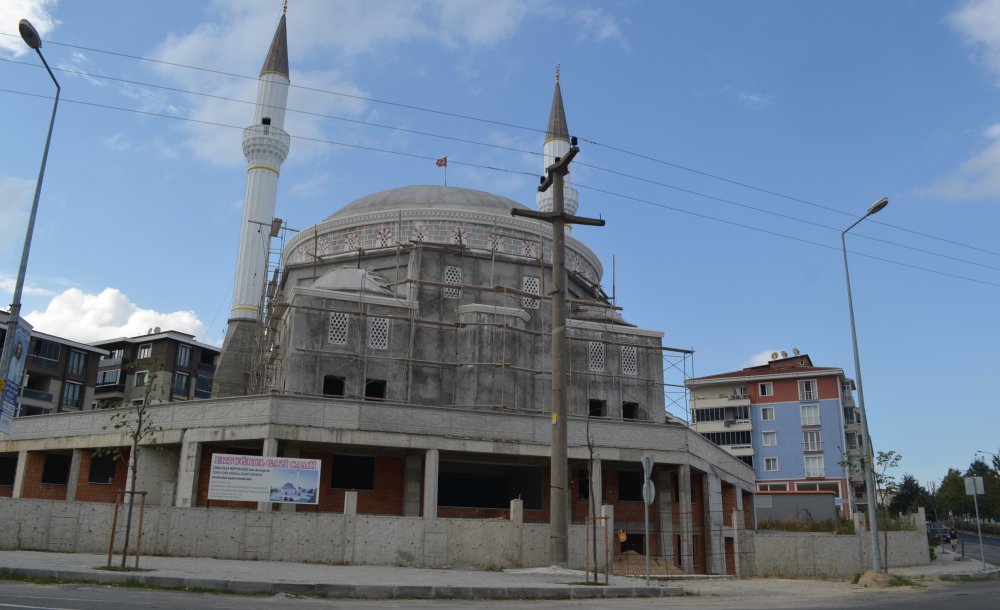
{"x": 556, "y": 145}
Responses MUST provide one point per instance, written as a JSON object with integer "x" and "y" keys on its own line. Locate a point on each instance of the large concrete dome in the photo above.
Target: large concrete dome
{"x": 429, "y": 198}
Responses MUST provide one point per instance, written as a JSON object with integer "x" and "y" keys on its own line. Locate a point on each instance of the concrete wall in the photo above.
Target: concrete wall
{"x": 809, "y": 554}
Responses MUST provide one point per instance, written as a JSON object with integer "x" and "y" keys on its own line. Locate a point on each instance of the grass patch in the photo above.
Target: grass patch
{"x": 835, "y": 526}
{"x": 856, "y": 579}
{"x": 895, "y": 580}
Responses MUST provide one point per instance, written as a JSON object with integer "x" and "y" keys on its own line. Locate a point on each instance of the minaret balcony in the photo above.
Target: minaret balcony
{"x": 265, "y": 142}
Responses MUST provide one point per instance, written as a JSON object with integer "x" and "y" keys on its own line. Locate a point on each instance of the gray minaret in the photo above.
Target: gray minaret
{"x": 265, "y": 146}
{"x": 557, "y": 145}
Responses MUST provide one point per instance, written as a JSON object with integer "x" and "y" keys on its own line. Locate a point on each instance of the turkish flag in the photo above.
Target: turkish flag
{"x": 442, "y": 162}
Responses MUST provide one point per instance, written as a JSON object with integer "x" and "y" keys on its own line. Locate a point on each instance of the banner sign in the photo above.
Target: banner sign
{"x": 252, "y": 478}
{"x": 11, "y": 380}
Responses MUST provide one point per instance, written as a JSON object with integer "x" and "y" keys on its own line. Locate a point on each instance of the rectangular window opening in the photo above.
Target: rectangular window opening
{"x": 375, "y": 389}
{"x": 480, "y": 485}
{"x": 56, "y": 469}
{"x": 8, "y": 469}
{"x": 145, "y": 351}
{"x": 333, "y": 385}
{"x": 766, "y": 389}
{"x": 598, "y": 408}
{"x": 102, "y": 469}
{"x": 630, "y": 486}
{"x": 767, "y": 414}
{"x": 630, "y": 410}
{"x": 353, "y": 472}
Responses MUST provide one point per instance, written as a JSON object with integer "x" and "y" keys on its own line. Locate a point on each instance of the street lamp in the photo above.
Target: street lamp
{"x": 33, "y": 40}
{"x": 869, "y": 466}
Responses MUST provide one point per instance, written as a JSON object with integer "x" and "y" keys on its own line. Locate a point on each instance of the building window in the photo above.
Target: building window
{"x": 767, "y": 414}
{"x": 56, "y": 469}
{"x": 45, "y": 353}
{"x": 77, "y": 364}
{"x": 740, "y": 392}
{"x": 771, "y": 464}
{"x": 378, "y": 333}
{"x": 630, "y": 360}
{"x": 810, "y": 415}
{"x": 595, "y": 356}
{"x": 630, "y": 486}
{"x": 202, "y": 387}
{"x": 811, "y": 441}
{"x": 819, "y": 486}
{"x": 184, "y": 356}
{"x": 765, "y": 389}
{"x": 850, "y": 415}
{"x": 739, "y": 438}
{"x": 353, "y": 472}
{"x": 108, "y": 377}
{"x": 102, "y": 469}
{"x": 71, "y": 394}
{"x": 531, "y": 285}
{"x": 8, "y": 470}
{"x": 598, "y": 408}
{"x": 181, "y": 383}
{"x": 814, "y": 466}
{"x": 338, "y": 329}
{"x": 375, "y": 389}
{"x": 453, "y": 277}
{"x": 746, "y": 459}
{"x": 333, "y": 385}
{"x": 630, "y": 410}
{"x": 769, "y": 438}
{"x": 146, "y": 351}
{"x": 807, "y": 389}
{"x": 772, "y": 486}
{"x": 141, "y": 378}
{"x": 851, "y": 439}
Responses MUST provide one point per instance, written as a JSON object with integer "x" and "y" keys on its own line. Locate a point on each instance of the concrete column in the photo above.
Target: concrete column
{"x": 517, "y": 511}
{"x": 411, "y": 486}
{"x": 351, "y": 502}
{"x": 596, "y": 485}
{"x": 74, "y": 474}
{"x": 270, "y": 449}
{"x": 22, "y": 465}
{"x": 187, "y": 471}
{"x": 432, "y": 461}
{"x": 715, "y": 546}
{"x": 664, "y": 517}
{"x": 608, "y": 512}
{"x": 683, "y": 475}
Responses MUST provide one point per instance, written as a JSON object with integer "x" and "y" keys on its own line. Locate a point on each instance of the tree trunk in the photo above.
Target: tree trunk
{"x": 134, "y": 459}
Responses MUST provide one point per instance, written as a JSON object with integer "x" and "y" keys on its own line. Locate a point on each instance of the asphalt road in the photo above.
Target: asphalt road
{"x": 991, "y": 546}
{"x": 969, "y": 596}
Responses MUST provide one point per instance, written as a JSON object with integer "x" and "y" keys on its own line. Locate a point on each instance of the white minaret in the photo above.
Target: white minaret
{"x": 557, "y": 145}
{"x": 265, "y": 146}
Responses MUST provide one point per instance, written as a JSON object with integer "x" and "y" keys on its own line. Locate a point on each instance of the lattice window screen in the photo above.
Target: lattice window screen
{"x": 630, "y": 360}
{"x": 378, "y": 333}
{"x": 338, "y": 329}
{"x": 595, "y": 353}
{"x": 533, "y": 286}
{"x": 452, "y": 277}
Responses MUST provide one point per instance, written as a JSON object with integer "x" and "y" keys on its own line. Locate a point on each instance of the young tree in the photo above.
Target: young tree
{"x": 133, "y": 417}
{"x": 884, "y": 462}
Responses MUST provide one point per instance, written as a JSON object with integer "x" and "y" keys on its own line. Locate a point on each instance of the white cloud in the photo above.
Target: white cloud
{"x": 85, "y": 317}
{"x": 595, "y": 24}
{"x": 120, "y": 142}
{"x": 15, "y": 202}
{"x": 978, "y": 177}
{"x": 7, "y": 284}
{"x": 978, "y": 22}
{"x": 754, "y": 101}
{"x": 759, "y": 359}
{"x": 38, "y": 12}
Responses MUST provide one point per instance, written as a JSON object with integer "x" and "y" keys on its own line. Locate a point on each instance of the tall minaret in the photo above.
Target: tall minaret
{"x": 265, "y": 146}
{"x": 557, "y": 145}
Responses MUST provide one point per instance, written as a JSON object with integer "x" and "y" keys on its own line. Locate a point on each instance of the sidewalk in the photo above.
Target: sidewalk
{"x": 326, "y": 580}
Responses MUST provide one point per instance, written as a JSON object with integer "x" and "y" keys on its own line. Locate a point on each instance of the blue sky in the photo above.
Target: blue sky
{"x": 821, "y": 107}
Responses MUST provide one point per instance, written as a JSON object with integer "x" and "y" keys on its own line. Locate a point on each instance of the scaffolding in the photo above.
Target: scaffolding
{"x": 265, "y": 357}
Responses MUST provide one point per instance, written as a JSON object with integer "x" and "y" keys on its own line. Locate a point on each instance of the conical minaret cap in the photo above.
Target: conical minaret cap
{"x": 277, "y": 55}
{"x": 557, "y": 129}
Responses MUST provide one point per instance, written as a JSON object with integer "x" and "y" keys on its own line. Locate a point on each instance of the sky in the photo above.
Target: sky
{"x": 726, "y": 144}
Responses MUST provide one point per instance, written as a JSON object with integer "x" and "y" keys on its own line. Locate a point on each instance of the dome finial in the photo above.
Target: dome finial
{"x": 557, "y": 66}
{"x": 284, "y": 9}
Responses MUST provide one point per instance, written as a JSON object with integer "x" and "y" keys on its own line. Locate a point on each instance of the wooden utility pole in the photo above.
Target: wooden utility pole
{"x": 559, "y": 465}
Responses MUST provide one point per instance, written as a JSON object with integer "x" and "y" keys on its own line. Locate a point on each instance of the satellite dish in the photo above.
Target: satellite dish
{"x": 784, "y": 354}
{"x": 156, "y": 330}
{"x": 149, "y": 331}
{"x": 774, "y": 355}
{"x": 795, "y": 351}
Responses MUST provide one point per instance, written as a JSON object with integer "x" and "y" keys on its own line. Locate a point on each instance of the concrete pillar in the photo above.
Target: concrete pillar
{"x": 270, "y": 449}
{"x": 351, "y": 502}
{"x": 411, "y": 486}
{"x": 187, "y": 471}
{"x": 608, "y": 512}
{"x": 683, "y": 475}
{"x": 664, "y": 517}
{"x": 432, "y": 461}
{"x": 596, "y": 485}
{"x": 715, "y": 545}
{"x": 22, "y": 465}
{"x": 74, "y": 474}
{"x": 517, "y": 511}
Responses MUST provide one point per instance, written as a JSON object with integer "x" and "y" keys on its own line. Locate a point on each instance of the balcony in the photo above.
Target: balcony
{"x": 110, "y": 361}
{"x": 205, "y": 369}
{"x": 43, "y": 362}
{"x": 36, "y": 395}
{"x": 813, "y": 447}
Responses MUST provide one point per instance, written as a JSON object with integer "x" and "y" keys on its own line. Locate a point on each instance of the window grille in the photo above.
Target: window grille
{"x": 378, "y": 333}
{"x": 528, "y": 247}
{"x": 595, "y": 361}
{"x": 384, "y": 237}
{"x": 530, "y": 285}
{"x": 338, "y": 328}
{"x": 452, "y": 277}
{"x": 459, "y": 236}
{"x": 630, "y": 360}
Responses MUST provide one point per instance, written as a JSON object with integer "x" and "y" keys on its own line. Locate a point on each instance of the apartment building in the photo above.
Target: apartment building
{"x": 795, "y": 423}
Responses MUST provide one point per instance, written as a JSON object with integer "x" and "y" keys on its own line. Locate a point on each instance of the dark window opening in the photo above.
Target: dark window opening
{"x": 634, "y": 542}
{"x": 8, "y": 469}
{"x": 353, "y": 472}
{"x": 582, "y": 484}
{"x": 375, "y": 389}
{"x": 747, "y": 459}
{"x": 102, "y": 469}
{"x": 598, "y": 408}
{"x": 56, "y": 469}
{"x": 675, "y": 480}
{"x": 333, "y": 385}
{"x": 630, "y": 410}
{"x": 630, "y": 486}
{"x": 489, "y": 485}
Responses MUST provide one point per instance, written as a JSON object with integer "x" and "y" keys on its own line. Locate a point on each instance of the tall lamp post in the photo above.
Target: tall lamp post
{"x": 33, "y": 40}
{"x": 869, "y": 465}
